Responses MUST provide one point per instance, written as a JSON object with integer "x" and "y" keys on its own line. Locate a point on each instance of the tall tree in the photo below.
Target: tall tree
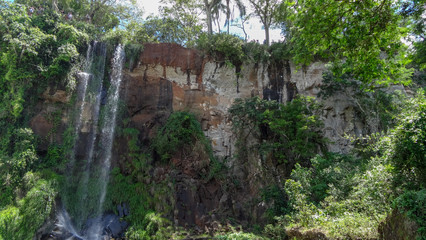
{"x": 414, "y": 12}
{"x": 241, "y": 7}
{"x": 216, "y": 11}
{"x": 242, "y": 19}
{"x": 186, "y": 13}
{"x": 209, "y": 5}
{"x": 265, "y": 10}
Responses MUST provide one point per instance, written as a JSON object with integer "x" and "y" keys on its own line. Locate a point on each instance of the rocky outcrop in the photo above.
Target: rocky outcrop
{"x": 50, "y": 116}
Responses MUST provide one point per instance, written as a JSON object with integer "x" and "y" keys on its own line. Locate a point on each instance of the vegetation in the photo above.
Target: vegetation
{"x": 366, "y": 45}
{"x": 340, "y": 192}
{"x": 288, "y": 133}
{"x": 222, "y": 46}
{"x": 180, "y": 134}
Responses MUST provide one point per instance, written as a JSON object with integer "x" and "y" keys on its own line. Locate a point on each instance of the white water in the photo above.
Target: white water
{"x": 107, "y": 135}
{"x": 90, "y": 166}
{"x": 83, "y": 168}
{"x": 93, "y": 134}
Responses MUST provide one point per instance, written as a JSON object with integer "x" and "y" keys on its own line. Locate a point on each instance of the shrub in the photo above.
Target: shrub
{"x": 180, "y": 133}
{"x": 239, "y": 236}
{"x": 413, "y": 203}
{"x": 23, "y": 221}
{"x": 255, "y": 52}
{"x": 341, "y": 196}
{"x": 222, "y": 46}
{"x": 331, "y": 174}
{"x": 154, "y": 227}
{"x": 405, "y": 145}
{"x": 275, "y": 196}
{"x": 289, "y": 133}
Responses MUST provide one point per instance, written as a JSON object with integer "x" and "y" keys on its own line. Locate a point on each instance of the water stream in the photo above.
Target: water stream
{"x": 90, "y": 159}
{"x": 107, "y": 136}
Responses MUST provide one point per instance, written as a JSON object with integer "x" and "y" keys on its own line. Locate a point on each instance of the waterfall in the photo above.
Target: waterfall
{"x": 98, "y": 70}
{"x": 90, "y": 159}
{"x": 107, "y": 137}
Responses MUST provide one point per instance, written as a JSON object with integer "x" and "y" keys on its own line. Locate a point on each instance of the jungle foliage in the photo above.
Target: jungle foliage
{"x": 343, "y": 195}
{"x": 339, "y": 193}
{"x": 288, "y": 133}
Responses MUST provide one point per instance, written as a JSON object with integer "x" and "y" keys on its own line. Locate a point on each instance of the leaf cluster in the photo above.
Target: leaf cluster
{"x": 404, "y": 145}
{"x": 181, "y": 132}
{"x": 290, "y": 132}
{"x": 222, "y": 46}
{"x": 413, "y": 203}
{"x": 34, "y": 49}
{"x": 360, "y": 38}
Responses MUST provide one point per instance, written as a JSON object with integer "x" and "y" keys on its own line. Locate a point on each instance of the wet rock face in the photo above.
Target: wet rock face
{"x": 171, "y": 78}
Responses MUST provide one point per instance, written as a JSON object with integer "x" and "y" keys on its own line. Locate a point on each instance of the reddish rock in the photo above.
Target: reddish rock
{"x": 59, "y": 96}
{"x": 173, "y": 55}
{"x": 41, "y": 126}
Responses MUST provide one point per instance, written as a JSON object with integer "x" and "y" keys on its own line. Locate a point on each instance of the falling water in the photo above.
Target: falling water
{"x": 83, "y": 78}
{"x": 85, "y": 131}
{"x": 97, "y": 86}
{"x": 88, "y": 172}
{"x": 107, "y": 136}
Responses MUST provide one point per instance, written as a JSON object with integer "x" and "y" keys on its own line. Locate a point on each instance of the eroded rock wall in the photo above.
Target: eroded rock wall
{"x": 168, "y": 78}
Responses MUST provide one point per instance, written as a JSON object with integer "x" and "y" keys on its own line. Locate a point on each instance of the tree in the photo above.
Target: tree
{"x": 413, "y": 11}
{"x": 186, "y": 13}
{"x": 241, "y": 7}
{"x": 216, "y": 11}
{"x": 265, "y": 10}
{"x": 359, "y": 38}
{"x": 209, "y": 5}
{"x": 104, "y": 14}
{"x": 164, "y": 30}
{"x": 244, "y": 17}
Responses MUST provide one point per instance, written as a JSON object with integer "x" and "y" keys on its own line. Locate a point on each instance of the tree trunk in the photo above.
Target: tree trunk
{"x": 266, "y": 34}
{"x": 209, "y": 17}
{"x": 244, "y": 30}
{"x": 228, "y": 14}
{"x": 55, "y": 5}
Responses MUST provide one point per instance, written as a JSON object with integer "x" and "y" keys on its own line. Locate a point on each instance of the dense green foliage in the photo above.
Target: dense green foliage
{"x": 405, "y": 145}
{"x": 360, "y": 38}
{"x": 222, "y": 46}
{"x": 240, "y": 236}
{"x": 341, "y": 194}
{"x": 180, "y": 134}
{"x": 37, "y": 49}
{"x": 289, "y": 133}
{"x": 413, "y": 203}
{"x": 344, "y": 196}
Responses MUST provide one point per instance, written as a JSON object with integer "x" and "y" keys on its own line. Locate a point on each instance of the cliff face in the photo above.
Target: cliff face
{"x": 171, "y": 78}
{"x": 168, "y": 78}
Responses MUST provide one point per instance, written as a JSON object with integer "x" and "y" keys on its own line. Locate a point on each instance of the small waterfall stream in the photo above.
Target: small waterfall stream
{"x": 90, "y": 160}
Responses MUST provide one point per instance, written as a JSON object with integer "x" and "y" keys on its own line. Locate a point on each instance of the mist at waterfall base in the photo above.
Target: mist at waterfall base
{"x": 81, "y": 215}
